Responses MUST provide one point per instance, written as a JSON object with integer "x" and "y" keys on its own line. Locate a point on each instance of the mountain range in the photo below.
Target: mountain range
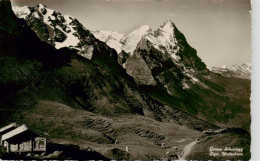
{"x": 161, "y": 63}
{"x": 239, "y": 71}
{"x": 99, "y": 87}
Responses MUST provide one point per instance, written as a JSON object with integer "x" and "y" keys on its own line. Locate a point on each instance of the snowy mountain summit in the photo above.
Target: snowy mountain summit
{"x": 162, "y": 38}
{"x": 121, "y": 42}
{"x": 65, "y": 31}
{"x": 239, "y": 71}
{"x": 56, "y": 29}
{"x": 145, "y": 54}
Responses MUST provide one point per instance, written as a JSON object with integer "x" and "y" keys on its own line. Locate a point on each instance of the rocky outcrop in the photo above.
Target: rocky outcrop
{"x": 137, "y": 67}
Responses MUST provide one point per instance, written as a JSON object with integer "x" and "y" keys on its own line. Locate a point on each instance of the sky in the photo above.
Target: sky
{"x": 220, "y": 30}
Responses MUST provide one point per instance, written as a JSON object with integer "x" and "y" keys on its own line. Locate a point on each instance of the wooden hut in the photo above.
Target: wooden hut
{"x": 22, "y": 139}
{"x": 5, "y": 130}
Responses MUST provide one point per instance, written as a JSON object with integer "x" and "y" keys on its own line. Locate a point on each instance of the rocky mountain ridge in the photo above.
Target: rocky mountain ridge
{"x": 94, "y": 104}
{"x": 99, "y": 86}
{"x": 243, "y": 71}
{"x": 61, "y": 31}
{"x": 120, "y": 42}
{"x": 162, "y": 64}
{"x": 57, "y": 29}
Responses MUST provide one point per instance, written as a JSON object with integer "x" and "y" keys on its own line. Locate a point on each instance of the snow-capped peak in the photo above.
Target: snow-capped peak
{"x": 131, "y": 40}
{"x": 60, "y": 27}
{"x": 164, "y": 39}
{"x": 105, "y": 36}
{"x": 245, "y": 68}
{"x": 111, "y": 38}
{"x": 121, "y": 42}
{"x": 239, "y": 71}
{"x": 168, "y": 26}
{"x": 141, "y": 30}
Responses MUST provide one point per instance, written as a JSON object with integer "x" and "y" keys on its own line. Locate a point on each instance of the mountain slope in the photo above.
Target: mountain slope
{"x": 82, "y": 101}
{"x": 169, "y": 70}
{"x": 32, "y": 68}
{"x": 91, "y": 104}
{"x": 31, "y": 73}
{"x": 165, "y": 67}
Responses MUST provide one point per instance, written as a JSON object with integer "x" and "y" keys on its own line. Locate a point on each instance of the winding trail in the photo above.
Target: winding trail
{"x": 187, "y": 150}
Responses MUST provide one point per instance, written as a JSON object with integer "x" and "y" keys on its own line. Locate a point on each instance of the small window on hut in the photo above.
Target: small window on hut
{"x": 41, "y": 144}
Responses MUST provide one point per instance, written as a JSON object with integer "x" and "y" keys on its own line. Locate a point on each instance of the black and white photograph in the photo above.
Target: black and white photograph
{"x": 125, "y": 79}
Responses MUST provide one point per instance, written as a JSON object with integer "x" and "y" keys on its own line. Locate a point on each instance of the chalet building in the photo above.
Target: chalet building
{"x": 6, "y": 129}
{"x": 22, "y": 140}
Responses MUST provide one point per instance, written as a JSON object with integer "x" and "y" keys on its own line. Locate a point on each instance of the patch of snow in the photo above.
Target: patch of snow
{"x": 121, "y": 42}
{"x": 193, "y": 79}
{"x": 224, "y": 67}
{"x": 101, "y": 35}
{"x": 36, "y": 15}
{"x": 185, "y": 85}
{"x": 68, "y": 19}
{"x": 131, "y": 40}
{"x": 175, "y": 57}
{"x": 111, "y": 38}
{"x": 48, "y": 16}
{"x": 21, "y": 12}
{"x": 71, "y": 40}
{"x": 89, "y": 53}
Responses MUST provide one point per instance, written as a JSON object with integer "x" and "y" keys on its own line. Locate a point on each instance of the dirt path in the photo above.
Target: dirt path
{"x": 187, "y": 149}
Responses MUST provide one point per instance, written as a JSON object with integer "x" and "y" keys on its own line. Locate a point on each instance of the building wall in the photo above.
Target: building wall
{"x": 25, "y": 146}
{"x": 38, "y": 144}
{"x": 14, "y": 147}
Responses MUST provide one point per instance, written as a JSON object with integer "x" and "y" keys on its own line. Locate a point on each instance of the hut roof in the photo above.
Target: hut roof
{"x": 15, "y": 132}
{"x": 6, "y": 128}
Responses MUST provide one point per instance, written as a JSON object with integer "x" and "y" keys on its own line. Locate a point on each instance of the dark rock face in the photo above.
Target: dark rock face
{"x": 6, "y": 20}
{"x": 122, "y": 58}
{"x": 59, "y": 35}
{"x": 188, "y": 54}
{"x": 41, "y": 28}
{"x": 137, "y": 67}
